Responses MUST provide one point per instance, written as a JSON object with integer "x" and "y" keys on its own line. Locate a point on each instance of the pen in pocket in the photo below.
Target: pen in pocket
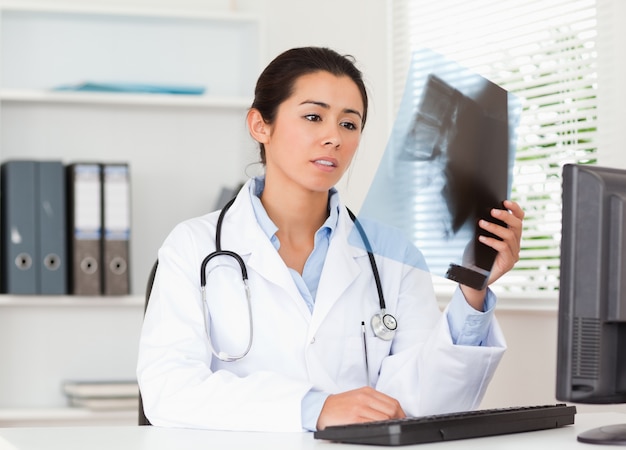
{"x": 367, "y": 368}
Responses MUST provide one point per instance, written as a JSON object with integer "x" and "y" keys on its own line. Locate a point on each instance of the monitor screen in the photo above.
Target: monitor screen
{"x": 591, "y": 350}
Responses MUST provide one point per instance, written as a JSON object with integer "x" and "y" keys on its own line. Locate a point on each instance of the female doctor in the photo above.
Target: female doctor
{"x": 313, "y": 345}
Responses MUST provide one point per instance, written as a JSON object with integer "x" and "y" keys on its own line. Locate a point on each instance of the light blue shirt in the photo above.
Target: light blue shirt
{"x": 308, "y": 282}
{"x": 467, "y": 326}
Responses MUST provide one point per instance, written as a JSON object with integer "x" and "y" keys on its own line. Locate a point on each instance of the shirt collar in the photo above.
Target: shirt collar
{"x": 269, "y": 228}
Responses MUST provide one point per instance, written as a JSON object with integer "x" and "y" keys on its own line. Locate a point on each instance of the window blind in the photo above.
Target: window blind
{"x": 543, "y": 51}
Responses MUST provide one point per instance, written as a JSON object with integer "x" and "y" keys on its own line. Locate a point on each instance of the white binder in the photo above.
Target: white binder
{"x": 85, "y": 221}
{"x": 116, "y": 228}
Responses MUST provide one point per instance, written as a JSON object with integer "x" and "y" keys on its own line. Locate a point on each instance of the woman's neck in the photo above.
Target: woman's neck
{"x": 295, "y": 208}
{"x": 297, "y": 214}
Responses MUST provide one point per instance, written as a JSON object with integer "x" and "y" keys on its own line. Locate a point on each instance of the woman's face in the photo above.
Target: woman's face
{"x": 316, "y": 132}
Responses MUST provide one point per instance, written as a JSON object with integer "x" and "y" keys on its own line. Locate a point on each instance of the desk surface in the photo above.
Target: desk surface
{"x": 155, "y": 438}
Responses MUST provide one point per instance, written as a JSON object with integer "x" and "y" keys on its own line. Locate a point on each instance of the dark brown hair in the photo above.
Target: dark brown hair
{"x": 276, "y": 82}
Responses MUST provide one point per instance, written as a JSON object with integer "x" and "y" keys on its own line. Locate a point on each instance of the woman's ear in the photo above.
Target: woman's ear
{"x": 258, "y": 129}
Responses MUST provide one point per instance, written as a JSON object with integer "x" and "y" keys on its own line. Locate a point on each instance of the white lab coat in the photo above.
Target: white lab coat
{"x": 293, "y": 350}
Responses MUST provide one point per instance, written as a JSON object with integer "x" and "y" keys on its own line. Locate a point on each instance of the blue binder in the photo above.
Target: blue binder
{"x": 52, "y": 236}
{"x": 19, "y": 248}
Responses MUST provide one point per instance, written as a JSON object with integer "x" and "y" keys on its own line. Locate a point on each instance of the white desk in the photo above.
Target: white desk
{"x": 154, "y": 438}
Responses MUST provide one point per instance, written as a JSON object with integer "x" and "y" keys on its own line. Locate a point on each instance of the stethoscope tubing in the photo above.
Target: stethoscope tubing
{"x": 223, "y": 356}
{"x": 378, "y": 322}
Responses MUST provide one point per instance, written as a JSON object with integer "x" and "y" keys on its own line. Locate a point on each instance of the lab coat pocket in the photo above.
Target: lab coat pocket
{"x": 361, "y": 360}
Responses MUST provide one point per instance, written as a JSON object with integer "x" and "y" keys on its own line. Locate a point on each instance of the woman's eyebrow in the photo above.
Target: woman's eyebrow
{"x": 327, "y": 106}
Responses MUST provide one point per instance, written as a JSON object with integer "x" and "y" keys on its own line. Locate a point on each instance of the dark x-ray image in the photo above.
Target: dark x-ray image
{"x": 447, "y": 164}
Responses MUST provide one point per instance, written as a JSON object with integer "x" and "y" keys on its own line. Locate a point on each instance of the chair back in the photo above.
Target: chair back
{"x": 143, "y": 420}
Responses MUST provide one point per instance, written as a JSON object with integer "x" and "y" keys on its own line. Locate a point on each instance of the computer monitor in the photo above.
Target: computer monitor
{"x": 591, "y": 350}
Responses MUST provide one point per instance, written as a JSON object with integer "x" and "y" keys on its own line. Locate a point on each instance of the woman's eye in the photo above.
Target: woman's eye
{"x": 348, "y": 125}
{"x": 313, "y": 117}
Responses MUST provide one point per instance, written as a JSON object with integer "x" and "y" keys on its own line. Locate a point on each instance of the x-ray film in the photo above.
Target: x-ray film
{"x": 448, "y": 162}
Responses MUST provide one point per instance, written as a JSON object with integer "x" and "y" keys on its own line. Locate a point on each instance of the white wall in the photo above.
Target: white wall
{"x": 612, "y": 91}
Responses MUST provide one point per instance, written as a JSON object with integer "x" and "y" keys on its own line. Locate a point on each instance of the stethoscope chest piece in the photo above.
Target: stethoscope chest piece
{"x": 384, "y": 325}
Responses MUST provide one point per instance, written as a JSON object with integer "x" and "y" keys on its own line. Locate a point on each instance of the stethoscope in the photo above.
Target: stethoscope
{"x": 383, "y": 325}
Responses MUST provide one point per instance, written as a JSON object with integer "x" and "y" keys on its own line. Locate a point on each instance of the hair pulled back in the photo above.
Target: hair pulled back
{"x": 276, "y": 82}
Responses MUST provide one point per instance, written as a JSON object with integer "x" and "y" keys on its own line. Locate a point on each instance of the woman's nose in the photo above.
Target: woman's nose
{"x": 333, "y": 138}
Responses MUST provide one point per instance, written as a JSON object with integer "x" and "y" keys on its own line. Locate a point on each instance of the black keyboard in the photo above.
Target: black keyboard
{"x": 452, "y": 426}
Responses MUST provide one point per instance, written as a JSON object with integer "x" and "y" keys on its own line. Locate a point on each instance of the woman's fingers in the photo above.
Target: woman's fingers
{"x": 359, "y": 405}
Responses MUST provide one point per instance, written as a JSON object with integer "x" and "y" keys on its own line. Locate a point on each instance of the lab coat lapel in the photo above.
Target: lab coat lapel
{"x": 269, "y": 265}
{"x": 247, "y": 238}
{"x": 339, "y": 272}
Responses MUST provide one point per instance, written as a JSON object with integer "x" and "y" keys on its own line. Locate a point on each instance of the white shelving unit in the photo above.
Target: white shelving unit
{"x": 44, "y": 96}
{"x": 50, "y": 417}
{"x": 182, "y": 149}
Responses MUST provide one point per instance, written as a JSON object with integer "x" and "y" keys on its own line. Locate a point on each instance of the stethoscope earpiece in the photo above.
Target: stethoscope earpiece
{"x": 384, "y": 325}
